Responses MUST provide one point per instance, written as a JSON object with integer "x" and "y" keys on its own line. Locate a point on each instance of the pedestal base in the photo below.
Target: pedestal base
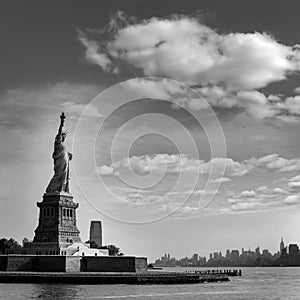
{"x": 57, "y": 227}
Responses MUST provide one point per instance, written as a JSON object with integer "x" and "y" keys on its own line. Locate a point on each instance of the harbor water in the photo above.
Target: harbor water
{"x": 255, "y": 283}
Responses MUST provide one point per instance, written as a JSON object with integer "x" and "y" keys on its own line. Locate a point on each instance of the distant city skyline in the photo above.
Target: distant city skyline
{"x": 155, "y": 162}
{"x": 248, "y": 248}
{"x": 287, "y": 254}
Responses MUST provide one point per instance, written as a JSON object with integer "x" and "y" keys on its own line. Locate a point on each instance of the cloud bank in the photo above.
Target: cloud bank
{"x": 227, "y": 69}
{"x": 186, "y": 50}
{"x": 176, "y": 163}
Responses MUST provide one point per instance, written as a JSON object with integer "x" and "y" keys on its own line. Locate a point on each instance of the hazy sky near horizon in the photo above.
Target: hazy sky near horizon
{"x": 214, "y": 122}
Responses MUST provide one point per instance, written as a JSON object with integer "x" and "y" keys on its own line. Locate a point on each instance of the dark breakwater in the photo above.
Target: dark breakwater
{"x": 110, "y": 278}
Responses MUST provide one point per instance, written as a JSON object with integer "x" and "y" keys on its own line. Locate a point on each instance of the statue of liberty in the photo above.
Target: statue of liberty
{"x": 61, "y": 157}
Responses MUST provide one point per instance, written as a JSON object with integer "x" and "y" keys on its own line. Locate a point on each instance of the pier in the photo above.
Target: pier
{"x": 226, "y": 272}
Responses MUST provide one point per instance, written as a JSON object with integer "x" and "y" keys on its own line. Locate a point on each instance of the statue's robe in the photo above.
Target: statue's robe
{"x": 59, "y": 181}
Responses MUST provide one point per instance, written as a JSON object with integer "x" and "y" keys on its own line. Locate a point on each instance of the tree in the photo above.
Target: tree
{"x": 6, "y": 244}
{"x": 94, "y": 245}
{"x": 113, "y": 250}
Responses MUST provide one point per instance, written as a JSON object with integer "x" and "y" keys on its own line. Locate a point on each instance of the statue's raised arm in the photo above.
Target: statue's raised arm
{"x": 62, "y": 122}
{"x": 61, "y": 157}
{"x": 60, "y": 134}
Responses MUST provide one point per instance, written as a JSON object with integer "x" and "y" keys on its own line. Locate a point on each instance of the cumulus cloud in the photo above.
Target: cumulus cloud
{"x": 192, "y": 192}
{"x": 189, "y": 209}
{"x": 254, "y": 103}
{"x": 232, "y": 168}
{"x": 271, "y": 191}
{"x": 177, "y": 163}
{"x": 248, "y": 193}
{"x": 176, "y": 92}
{"x": 252, "y": 201}
{"x": 93, "y": 54}
{"x": 151, "y": 88}
{"x": 106, "y": 170}
{"x": 295, "y": 178}
{"x": 186, "y": 50}
{"x": 246, "y": 206}
{"x": 127, "y": 195}
{"x": 259, "y": 199}
{"x": 292, "y": 199}
{"x": 294, "y": 184}
{"x": 222, "y": 179}
{"x": 297, "y": 90}
{"x": 226, "y": 68}
{"x": 262, "y": 198}
{"x": 178, "y": 211}
{"x": 275, "y": 162}
{"x": 292, "y": 104}
{"x": 159, "y": 162}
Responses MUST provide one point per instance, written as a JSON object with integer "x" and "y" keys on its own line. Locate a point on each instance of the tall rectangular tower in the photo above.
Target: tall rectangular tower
{"x": 96, "y": 233}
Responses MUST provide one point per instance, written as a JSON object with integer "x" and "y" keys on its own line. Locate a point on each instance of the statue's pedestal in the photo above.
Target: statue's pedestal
{"x": 57, "y": 227}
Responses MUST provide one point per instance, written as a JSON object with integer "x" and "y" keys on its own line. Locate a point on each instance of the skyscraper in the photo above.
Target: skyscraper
{"x": 281, "y": 246}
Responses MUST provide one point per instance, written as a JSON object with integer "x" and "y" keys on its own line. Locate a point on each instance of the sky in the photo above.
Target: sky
{"x": 183, "y": 119}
